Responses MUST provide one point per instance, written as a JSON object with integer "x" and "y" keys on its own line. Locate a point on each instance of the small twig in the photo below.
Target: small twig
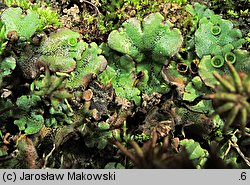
{"x": 47, "y": 157}
{"x": 125, "y": 151}
{"x": 233, "y": 144}
{"x": 138, "y": 150}
{"x": 68, "y": 105}
{"x": 246, "y": 134}
{"x": 5, "y": 138}
{"x": 227, "y": 150}
{"x": 96, "y": 8}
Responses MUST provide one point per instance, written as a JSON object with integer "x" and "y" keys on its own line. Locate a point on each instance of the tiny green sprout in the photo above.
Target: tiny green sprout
{"x": 217, "y": 61}
{"x": 233, "y": 13}
{"x": 142, "y": 137}
{"x": 72, "y": 41}
{"x": 245, "y": 12}
{"x": 215, "y": 30}
{"x": 1, "y": 135}
{"x": 163, "y": 85}
{"x": 62, "y": 74}
{"x": 32, "y": 86}
{"x": 230, "y": 57}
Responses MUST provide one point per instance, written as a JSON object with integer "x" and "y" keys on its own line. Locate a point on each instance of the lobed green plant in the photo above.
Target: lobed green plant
{"x": 28, "y": 110}
{"x": 213, "y": 35}
{"x": 154, "y": 39}
{"x": 91, "y": 64}
{"x": 47, "y": 17}
{"x": 99, "y": 137}
{"x": 143, "y": 56}
{"x": 61, "y": 50}
{"x": 216, "y": 36}
{"x": 149, "y": 44}
{"x": 211, "y": 42}
{"x": 121, "y": 74}
{"x": 18, "y": 28}
{"x": 6, "y": 67}
{"x": 28, "y": 117}
{"x": 197, "y": 154}
{"x": 206, "y": 66}
{"x": 60, "y": 53}
{"x": 237, "y": 11}
{"x": 112, "y": 14}
{"x": 15, "y": 21}
{"x": 30, "y": 124}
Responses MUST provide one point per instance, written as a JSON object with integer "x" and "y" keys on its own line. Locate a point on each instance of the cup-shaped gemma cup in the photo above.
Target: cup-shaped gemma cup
{"x": 230, "y": 57}
{"x": 182, "y": 68}
{"x": 217, "y": 61}
{"x": 215, "y": 30}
